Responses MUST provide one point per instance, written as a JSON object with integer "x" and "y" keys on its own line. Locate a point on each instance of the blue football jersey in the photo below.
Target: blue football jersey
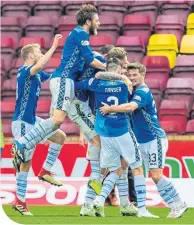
{"x": 87, "y": 73}
{"x": 27, "y": 94}
{"x": 112, "y": 93}
{"x": 145, "y": 122}
{"x": 76, "y": 52}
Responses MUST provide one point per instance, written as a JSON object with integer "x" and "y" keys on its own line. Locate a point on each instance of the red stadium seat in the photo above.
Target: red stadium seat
{"x": 66, "y": 24}
{"x": 172, "y": 127}
{"x": 157, "y": 68}
{"x": 7, "y": 109}
{"x": 6, "y": 126}
{"x": 134, "y": 47}
{"x": 7, "y": 50}
{"x": 38, "y": 26}
{"x": 73, "y": 6}
{"x": 11, "y": 26}
{"x": 172, "y": 7}
{"x": 53, "y": 63}
{"x": 16, "y": 8}
{"x": 69, "y": 127}
{"x": 49, "y": 8}
{"x": 170, "y": 24}
{"x": 97, "y": 42}
{"x": 184, "y": 66}
{"x": 145, "y": 7}
{"x": 192, "y": 112}
{"x": 3, "y": 72}
{"x": 43, "y": 107}
{"x": 16, "y": 64}
{"x": 180, "y": 89}
{"x": 137, "y": 25}
{"x": 109, "y": 26}
{"x": 110, "y": 8}
{"x": 9, "y": 89}
{"x": 31, "y": 40}
{"x": 190, "y": 127}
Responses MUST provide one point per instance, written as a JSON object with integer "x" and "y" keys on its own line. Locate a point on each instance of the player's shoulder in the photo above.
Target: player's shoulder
{"x": 143, "y": 89}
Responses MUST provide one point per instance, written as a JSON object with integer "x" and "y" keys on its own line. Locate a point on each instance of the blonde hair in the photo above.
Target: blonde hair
{"x": 117, "y": 52}
{"x": 137, "y": 65}
{"x": 27, "y": 49}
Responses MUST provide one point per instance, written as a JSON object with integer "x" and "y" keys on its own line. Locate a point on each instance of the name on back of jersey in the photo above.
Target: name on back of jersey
{"x": 116, "y": 89}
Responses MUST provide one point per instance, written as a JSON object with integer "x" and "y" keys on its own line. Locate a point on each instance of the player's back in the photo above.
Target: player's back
{"x": 145, "y": 120}
{"x": 111, "y": 93}
{"x": 75, "y": 51}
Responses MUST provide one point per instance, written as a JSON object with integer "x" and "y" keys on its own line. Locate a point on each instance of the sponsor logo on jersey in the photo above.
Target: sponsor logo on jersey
{"x": 137, "y": 97}
{"x": 85, "y": 43}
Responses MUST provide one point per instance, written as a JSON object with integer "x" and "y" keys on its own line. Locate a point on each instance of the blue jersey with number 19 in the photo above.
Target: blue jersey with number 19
{"x": 111, "y": 93}
{"x": 144, "y": 119}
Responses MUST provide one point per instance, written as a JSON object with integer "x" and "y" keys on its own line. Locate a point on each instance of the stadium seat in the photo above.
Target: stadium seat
{"x": 49, "y": 8}
{"x": 30, "y": 40}
{"x": 187, "y": 44}
{"x": 137, "y": 25}
{"x": 172, "y": 110}
{"x": 109, "y": 26}
{"x": 170, "y": 24}
{"x": 66, "y": 24}
{"x": 192, "y": 112}
{"x": 172, "y": 127}
{"x": 69, "y": 127}
{"x": 133, "y": 45}
{"x": 190, "y": 24}
{"x": 110, "y": 8}
{"x": 71, "y": 7}
{"x": 11, "y": 26}
{"x": 190, "y": 127}
{"x": 180, "y": 89}
{"x": 156, "y": 90}
{"x": 7, "y": 109}
{"x": 7, "y": 50}
{"x": 6, "y": 126}
{"x": 16, "y": 64}
{"x": 43, "y": 107}
{"x": 157, "y": 67}
{"x": 173, "y": 7}
{"x": 38, "y": 26}
{"x": 97, "y": 42}
{"x": 52, "y": 64}
{"x": 184, "y": 66}
{"x": 9, "y": 89}
{"x": 163, "y": 45}
{"x": 3, "y": 72}
{"x": 16, "y": 8}
{"x": 149, "y": 8}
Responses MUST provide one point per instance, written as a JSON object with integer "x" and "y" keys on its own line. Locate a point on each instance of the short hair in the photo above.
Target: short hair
{"x": 113, "y": 63}
{"x": 136, "y": 65}
{"x": 117, "y": 52}
{"x": 27, "y": 49}
{"x": 106, "y": 49}
{"x": 86, "y": 12}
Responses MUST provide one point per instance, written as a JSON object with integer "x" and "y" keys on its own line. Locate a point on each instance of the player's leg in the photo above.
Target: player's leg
{"x": 62, "y": 94}
{"x": 157, "y": 154}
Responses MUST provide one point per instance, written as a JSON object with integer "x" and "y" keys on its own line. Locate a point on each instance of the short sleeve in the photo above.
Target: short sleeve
{"x": 82, "y": 39}
{"x": 140, "y": 97}
{"x": 44, "y": 76}
{"x": 25, "y": 71}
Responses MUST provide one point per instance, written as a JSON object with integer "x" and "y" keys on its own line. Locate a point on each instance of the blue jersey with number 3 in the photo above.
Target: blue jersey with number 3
{"x": 145, "y": 122}
{"x": 111, "y": 93}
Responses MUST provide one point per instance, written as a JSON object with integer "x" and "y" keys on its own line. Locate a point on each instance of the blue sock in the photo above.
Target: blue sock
{"x": 37, "y": 134}
{"x": 168, "y": 192}
{"x": 108, "y": 185}
{"x": 53, "y": 152}
{"x": 140, "y": 189}
{"x": 122, "y": 185}
{"x": 21, "y": 185}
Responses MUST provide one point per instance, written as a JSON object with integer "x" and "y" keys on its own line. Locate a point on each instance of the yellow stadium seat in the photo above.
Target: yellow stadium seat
{"x": 171, "y": 55}
{"x": 190, "y": 24}
{"x": 187, "y": 44}
{"x": 162, "y": 42}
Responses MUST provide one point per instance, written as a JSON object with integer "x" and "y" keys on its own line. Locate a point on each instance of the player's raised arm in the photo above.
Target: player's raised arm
{"x": 45, "y": 58}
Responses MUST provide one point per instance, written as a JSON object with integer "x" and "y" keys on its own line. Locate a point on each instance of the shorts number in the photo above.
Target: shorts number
{"x": 113, "y": 99}
{"x": 152, "y": 157}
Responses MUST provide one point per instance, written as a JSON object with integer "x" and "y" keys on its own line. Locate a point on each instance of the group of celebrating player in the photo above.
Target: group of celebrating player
{"x": 107, "y": 98}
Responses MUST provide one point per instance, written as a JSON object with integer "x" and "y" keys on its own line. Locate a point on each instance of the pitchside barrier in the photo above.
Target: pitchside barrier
{"x": 73, "y": 170}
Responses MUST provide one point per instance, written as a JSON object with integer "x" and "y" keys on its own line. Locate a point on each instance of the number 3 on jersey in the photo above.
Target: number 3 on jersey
{"x": 115, "y": 101}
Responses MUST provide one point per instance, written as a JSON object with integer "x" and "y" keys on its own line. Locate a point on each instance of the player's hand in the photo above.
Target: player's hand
{"x": 56, "y": 40}
{"x": 105, "y": 109}
{"x": 128, "y": 83}
{"x": 82, "y": 140}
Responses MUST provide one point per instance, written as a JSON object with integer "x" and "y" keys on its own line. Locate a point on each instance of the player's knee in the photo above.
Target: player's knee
{"x": 118, "y": 171}
{"x": 137, "y": 171}
{"x": 156, "y": 174}
{"x": 58, "y": 117}
{"x": 25, "y": 167}
{"x": 59, "y": 137}
{"x": 95, "y": 141}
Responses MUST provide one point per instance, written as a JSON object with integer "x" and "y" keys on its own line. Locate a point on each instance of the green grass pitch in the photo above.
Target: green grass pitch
{"x": 70, "y": 215}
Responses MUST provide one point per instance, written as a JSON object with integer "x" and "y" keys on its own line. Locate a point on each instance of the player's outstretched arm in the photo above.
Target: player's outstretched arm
{"x": 45, "y": 58}
{"x": 123, "y": 108}
{"x": 97, "y": 64}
